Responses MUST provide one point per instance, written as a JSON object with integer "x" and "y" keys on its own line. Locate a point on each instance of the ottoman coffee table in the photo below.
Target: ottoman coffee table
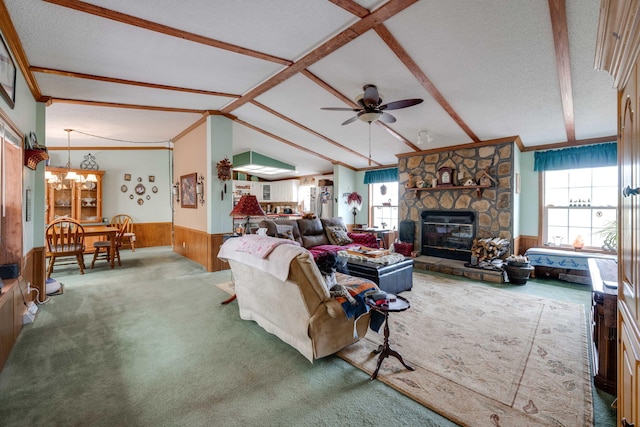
{"x": 393, "y": 278}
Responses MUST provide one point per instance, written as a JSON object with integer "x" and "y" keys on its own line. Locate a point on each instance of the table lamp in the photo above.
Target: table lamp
{"x": 247, "y": 206}
{"x": 354, "y": 200}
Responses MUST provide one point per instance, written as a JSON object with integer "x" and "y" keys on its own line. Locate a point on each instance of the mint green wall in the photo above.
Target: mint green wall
{"x": 516, "y": 196}
{"x": 345, "y": 181}
{"x": 140, "y": 164}
{"x": 220, "y": 143}
{"x": 529, "y": 196}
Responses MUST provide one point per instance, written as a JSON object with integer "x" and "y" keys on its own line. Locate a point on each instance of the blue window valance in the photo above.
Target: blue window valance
{"x": 381, "y": 175}
{"x": 588, "y": 156}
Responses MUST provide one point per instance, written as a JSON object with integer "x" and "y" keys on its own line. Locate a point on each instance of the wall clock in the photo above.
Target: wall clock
{"x": 444, "y": 177}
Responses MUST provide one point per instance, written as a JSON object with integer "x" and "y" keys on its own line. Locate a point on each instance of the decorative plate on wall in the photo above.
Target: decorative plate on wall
{"x": 140, "y": 201}
{"x": 140, "y": 189}
{"x": 124, "y": 188}
{"x": 154, "y": 189}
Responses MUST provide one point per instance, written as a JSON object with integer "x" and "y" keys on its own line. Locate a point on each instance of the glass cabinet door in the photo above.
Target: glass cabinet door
{"x": 61, "y": 200}
{"x": 88, "y": 202}
{"x": 79, "y": 199}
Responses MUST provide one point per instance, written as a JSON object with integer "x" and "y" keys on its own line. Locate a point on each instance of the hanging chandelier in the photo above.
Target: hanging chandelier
{"x": 71, "y": 175}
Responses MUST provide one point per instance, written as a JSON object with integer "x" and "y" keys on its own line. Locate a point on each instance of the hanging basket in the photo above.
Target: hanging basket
{"x": 33, "y": 157}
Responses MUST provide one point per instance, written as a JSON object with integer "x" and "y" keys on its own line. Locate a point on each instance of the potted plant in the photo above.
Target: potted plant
{"x": 610, "y": 235}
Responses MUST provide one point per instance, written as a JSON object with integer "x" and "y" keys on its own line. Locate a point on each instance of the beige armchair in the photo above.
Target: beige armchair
{"x": 286, "y": 295}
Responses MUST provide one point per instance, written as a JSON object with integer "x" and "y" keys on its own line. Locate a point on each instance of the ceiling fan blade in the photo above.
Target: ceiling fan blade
{"x": 371, "y": 98}
{"x": 387, "y": 118}
{"x": 396, "y": 105}
{"x": 340, "y": 109}
{"x": 351, "y": 120}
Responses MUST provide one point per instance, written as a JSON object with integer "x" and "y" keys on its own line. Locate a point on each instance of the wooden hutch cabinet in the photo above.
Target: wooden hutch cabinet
{"x": 81, "y": 200}
{"x": 617, "y": 47}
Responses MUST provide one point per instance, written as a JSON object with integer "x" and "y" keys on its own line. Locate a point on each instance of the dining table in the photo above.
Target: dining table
{"x": 104, "y": 230}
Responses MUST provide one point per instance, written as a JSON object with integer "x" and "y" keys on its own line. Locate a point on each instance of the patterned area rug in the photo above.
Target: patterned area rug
{"x": 484, "y": 356}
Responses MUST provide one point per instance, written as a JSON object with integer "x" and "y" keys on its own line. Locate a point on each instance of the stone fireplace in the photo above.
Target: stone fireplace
{"x": 448, "y": 234}
{"x": 491, "y": 207}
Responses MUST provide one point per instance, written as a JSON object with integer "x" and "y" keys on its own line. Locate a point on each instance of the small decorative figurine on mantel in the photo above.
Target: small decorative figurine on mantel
{"x": 486, "y": 180}
{"x": 411, "y": 181}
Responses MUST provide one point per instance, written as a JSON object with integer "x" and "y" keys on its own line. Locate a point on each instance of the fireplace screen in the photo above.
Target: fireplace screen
{"x": 448, "y": 234}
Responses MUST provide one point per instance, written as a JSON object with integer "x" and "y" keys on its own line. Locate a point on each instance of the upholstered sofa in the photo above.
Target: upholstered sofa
{"x": 318, "y": 235}
{"x": 279, "y": 286}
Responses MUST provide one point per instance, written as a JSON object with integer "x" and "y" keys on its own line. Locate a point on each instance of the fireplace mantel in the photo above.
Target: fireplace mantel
{"x": 479, "y": 188}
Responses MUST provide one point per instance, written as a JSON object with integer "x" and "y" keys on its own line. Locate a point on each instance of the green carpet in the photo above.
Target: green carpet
{"x": 148, "y": 344}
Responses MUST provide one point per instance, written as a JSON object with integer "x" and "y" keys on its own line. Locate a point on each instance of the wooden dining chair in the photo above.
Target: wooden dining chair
{"x": 129, "y": 236}
{"x": 65, "y": 240}
{"x": 102, "y": 248}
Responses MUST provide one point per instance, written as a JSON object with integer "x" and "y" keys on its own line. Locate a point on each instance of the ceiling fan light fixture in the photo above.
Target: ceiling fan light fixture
{"x": 369, "y": 116}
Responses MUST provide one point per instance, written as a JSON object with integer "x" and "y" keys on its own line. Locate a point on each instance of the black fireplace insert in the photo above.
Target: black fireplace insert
{"x": 448, "y": 234}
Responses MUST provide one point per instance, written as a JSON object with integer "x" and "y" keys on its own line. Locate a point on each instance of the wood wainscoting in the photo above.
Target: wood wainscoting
{"x": 149, "y": 234}
{"x": 522, "y": 243}
{"x": 35, "y": 273}
{"x": 200, "y": 247}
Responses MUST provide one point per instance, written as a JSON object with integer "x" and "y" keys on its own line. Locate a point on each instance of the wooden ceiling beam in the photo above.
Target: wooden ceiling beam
{"x": 558, "y": 12}
{"x": 362, "y": 26}
{"x": 352, "y": 7}
{"x": 73, "y": 74}
{"x": 311, "y": 131}
{"x": 413, "y": 67}
{"x": 129, "y": 106}
{"x": 163, "y": 29}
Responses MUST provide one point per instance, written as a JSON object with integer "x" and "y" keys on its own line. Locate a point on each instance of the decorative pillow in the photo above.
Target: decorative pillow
{"x": 337, "y": 235}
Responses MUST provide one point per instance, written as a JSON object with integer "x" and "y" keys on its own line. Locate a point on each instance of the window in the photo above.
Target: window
{"x": 383, "y": 204}
{"x": 579, "y": 202}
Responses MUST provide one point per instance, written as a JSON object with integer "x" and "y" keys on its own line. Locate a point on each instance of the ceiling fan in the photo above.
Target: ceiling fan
{"x": 370, "y": 109}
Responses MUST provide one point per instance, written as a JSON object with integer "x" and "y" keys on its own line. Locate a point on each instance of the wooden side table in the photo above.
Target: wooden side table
{"x": 400, "y": 304}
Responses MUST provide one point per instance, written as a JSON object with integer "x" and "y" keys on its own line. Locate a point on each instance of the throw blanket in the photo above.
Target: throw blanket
{"x": 277, "y": 263}
{"x": 384, "y": 260}
{"x": 358, "y": 288}
{"x": 262, "y": 246}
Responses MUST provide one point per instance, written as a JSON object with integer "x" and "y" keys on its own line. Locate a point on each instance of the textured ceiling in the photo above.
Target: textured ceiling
{"x": 486, "y": 69}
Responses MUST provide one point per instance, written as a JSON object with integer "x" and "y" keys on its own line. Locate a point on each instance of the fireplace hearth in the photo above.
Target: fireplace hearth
{"x": 448, "y": 234}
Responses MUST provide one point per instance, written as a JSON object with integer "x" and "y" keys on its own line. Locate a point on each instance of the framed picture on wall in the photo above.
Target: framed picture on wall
{"x": 188, "y": 191}
{"x": 7, "y": 75}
